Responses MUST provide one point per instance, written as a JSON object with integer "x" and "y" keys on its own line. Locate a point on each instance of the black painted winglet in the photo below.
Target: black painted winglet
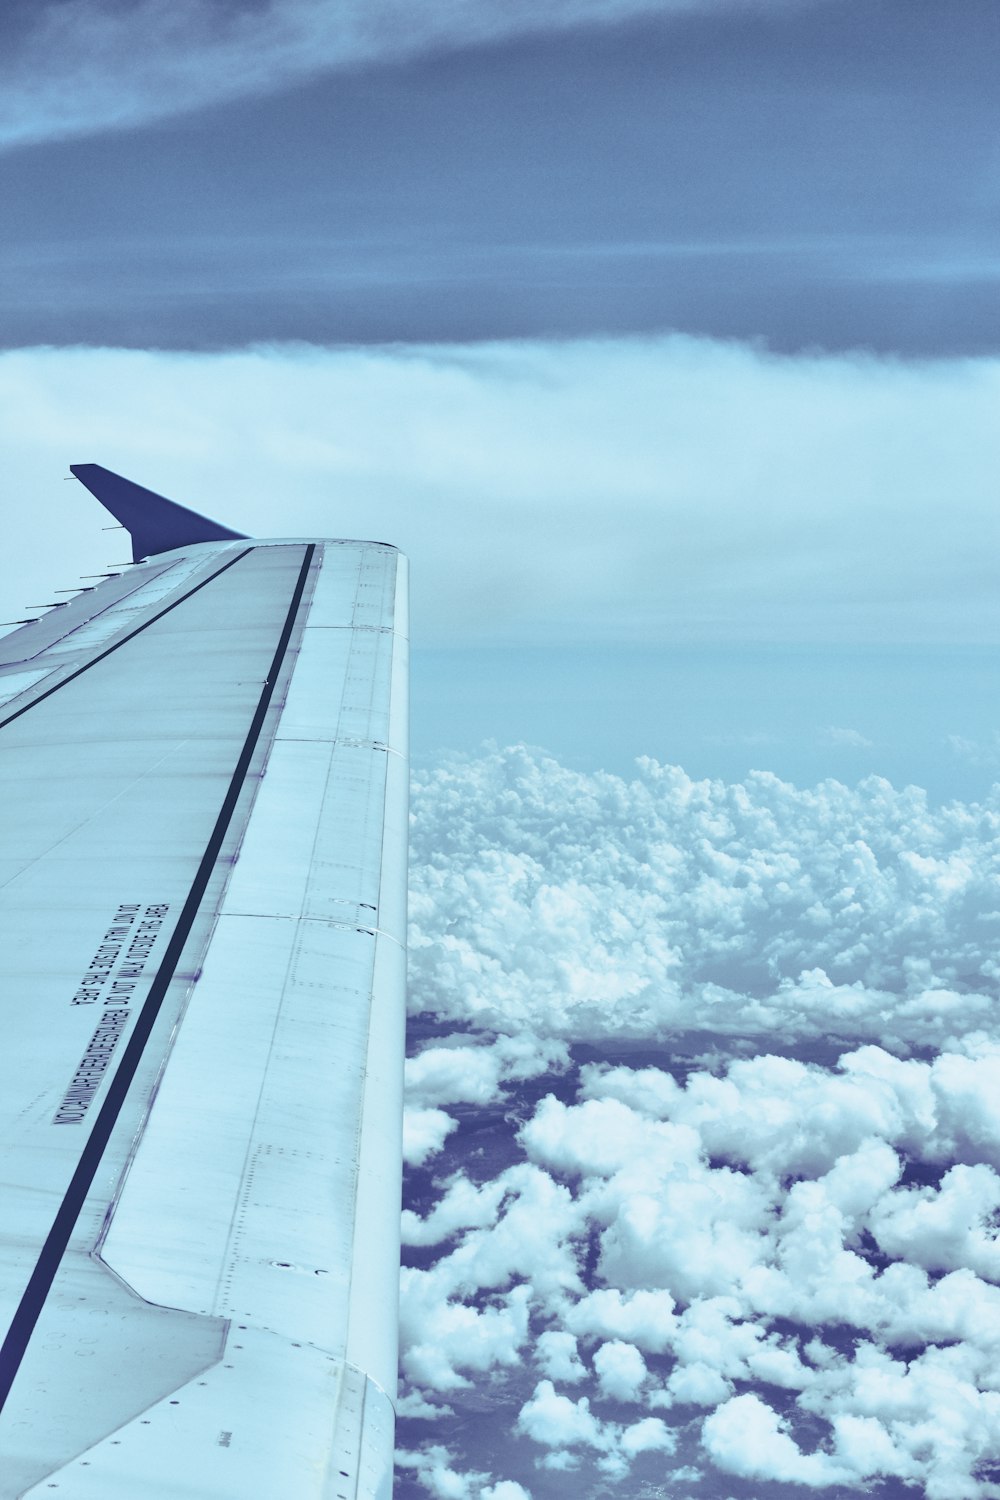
{"x": 155, "y": 523}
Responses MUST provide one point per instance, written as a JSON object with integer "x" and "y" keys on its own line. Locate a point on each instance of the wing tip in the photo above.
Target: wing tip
{"x": 155, "y": 523}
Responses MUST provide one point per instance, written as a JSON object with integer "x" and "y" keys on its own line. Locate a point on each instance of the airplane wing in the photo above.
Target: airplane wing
{"x": 203, "y": 804}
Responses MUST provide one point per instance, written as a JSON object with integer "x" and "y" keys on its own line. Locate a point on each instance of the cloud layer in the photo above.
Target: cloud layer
{"x": 783, "y": 1267}
{"x": 635, "y": 492}
{"x": 584, "y": 907}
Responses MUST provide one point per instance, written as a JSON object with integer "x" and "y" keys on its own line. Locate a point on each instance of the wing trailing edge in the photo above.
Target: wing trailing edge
{"x": 155, "y": 523}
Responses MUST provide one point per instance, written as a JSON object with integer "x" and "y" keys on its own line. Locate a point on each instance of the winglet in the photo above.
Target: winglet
{"x": 155, "y": 523}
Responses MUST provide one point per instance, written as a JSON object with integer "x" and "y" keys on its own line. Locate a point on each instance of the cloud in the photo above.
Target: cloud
{"x": 650, "y": 1435}
{"x": 620, "y": 1369}
{"x": 448, "y": 1072}
{"x": 464, "y": 1206}
{"x": 435, "y": 1468}
{"x": 556, "y": 1353}
{"x": 745, "y": 1437}
{"x": 736, "y": 1225}
{"x": 424, "y": 1133}
{"x": 975, "y": 752}
{"x": 782, "y": 1267}
{"x": 802, "y": 1161}
{"x": 460, "y": 1075}
{"x": 583, "y": 906}
{"x": 945, "y": 1228}
{"x": 562, "y": 1425}
{"x": 847, "y": 739}
{"x": 559, "y": 1422}
{"x": 96, "y": 65}
{"x": 443, "y": 1338}
{"x": 643, "y": 1316}
{"x": 636, "y": 492}
{"x": 414, "y": 1406}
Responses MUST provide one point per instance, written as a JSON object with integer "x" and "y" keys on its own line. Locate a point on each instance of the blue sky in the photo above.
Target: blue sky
{"x": 663, "y": 337}
{"x": 807, "y": 174}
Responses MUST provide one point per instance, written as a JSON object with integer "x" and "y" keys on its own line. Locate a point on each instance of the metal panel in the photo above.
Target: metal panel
{"x": 130, "y": 609}
{"x": 12, "y": 684}
{"x": 219, "y": 754}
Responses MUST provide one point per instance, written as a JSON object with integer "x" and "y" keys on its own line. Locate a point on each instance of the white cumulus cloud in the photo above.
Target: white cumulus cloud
{"x": 775, "y": 1240}
{"x": 556, "y": 1353}
{"x": 584, "y": 906}
{"x": 424, "y": 1133}
{"x": 745, "y": 1436}
{"x": 620, "y": 1369}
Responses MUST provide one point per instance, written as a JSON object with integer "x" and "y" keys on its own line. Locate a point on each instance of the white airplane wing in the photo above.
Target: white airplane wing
{"x": 203, "y": 804}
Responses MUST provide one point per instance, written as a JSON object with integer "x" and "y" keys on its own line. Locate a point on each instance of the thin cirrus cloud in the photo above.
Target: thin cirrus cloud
{"x": 781, "y": 1266}
{"x": 79, "y": 68}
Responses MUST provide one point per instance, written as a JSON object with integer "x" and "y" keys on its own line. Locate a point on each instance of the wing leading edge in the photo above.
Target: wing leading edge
{"x": 202, "y": 924}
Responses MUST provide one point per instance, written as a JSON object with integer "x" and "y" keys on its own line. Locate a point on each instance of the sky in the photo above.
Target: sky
{"x": 662, "y": 335}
